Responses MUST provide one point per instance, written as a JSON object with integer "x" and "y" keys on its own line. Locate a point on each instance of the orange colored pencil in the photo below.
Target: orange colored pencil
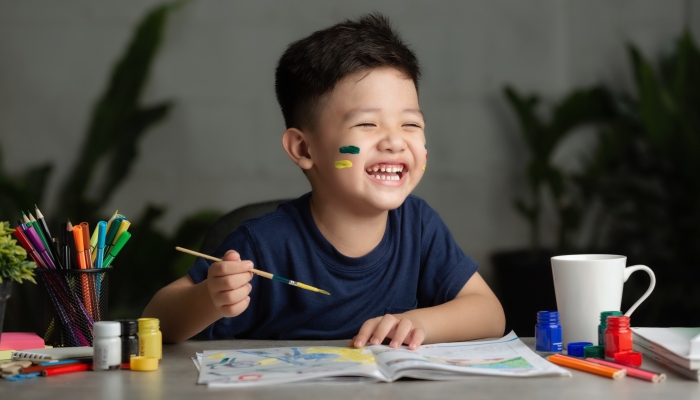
{"x": 587, "y": 366}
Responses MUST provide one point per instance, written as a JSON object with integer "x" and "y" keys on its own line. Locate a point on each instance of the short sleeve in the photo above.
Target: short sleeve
{"x": 241, "y": 242}
{"x": 445, "y": 269}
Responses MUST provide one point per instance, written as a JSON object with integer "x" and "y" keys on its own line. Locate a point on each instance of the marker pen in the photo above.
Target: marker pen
{"x": 66, "y": 247}
{"x": 79, "y": 246}
{"x": 101, "y": 232}
{"x": 116, "y": 248}
{"x": 86, "y": 244}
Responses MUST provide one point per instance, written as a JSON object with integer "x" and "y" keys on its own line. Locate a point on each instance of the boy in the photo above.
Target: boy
{"x": 350, "y": 103}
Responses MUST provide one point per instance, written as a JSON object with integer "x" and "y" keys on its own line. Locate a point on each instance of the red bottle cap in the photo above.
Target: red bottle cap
{"x": 631, "y": 358}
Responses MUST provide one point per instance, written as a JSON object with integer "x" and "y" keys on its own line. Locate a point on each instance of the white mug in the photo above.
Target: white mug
{"x": 588, "y": 284}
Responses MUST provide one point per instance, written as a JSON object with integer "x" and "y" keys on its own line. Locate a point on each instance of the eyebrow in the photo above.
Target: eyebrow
{"x": 357, "y": 111}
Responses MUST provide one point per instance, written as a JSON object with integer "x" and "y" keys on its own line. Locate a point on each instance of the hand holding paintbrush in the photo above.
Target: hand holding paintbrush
{"x": 228, "y": 281}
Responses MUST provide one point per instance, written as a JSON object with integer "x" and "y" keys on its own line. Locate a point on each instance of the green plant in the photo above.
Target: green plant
{"x": 118, "y": 122}
{"x": 13, "y": 263}
{"x": 542, "y": 138}
{"x": 640, "y": 181}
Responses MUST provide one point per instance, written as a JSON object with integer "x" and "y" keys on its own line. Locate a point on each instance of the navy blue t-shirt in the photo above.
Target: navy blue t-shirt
{"x": 417, "y": 264}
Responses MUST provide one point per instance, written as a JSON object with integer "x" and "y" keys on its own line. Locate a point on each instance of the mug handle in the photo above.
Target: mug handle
{"x": 628, "y": 271}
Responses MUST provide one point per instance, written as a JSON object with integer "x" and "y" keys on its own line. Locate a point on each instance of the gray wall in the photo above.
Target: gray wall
{"x": 220, "y": 148}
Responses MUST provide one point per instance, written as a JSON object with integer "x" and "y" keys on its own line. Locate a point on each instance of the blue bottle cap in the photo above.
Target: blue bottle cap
{"x": 575, "y": 349}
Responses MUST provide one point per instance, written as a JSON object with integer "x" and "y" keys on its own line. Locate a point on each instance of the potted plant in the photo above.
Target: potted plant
{"x": 639, "y": 183}
{"x": 13, "y": 266}
{"x": 524, "y": 277}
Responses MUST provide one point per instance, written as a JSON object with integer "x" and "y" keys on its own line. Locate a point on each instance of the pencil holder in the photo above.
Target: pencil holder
{"x": 71, "y": 301}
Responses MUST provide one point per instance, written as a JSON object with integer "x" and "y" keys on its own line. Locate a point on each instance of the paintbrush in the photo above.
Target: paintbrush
{"x": 258, "y": 272}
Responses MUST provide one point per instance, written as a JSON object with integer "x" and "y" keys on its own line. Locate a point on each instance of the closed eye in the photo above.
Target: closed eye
{"x": 366, "y": 125}
{"x": 413, "y": 125}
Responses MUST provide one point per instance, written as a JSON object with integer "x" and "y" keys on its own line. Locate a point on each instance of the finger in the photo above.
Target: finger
{"x": 385, "y": 327}
{"x": 416, "y": 338}
{"x": 402, "y": 330}
{"x": 366, "y": 331}
{"x": 224, "y": 268}
{"x": 229, "y": 282}
{"x": 237, "y": 309}
{"x": 232, "y": 297}
{"x": 231, "y": 255}
{"x": 352, "y": 342}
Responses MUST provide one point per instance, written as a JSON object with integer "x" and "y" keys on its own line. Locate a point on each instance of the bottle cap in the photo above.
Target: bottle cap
{"x": 605, "y": 314}
{"x": 631, "y": 358}
{"x": 148, "y": 324}
{"x": 106, "y": 329}
{"x": 129, "y": 326}
{"x": 142, "y": 363}
{"x": 594, "y": 352}
{"x": 575, "y": 349}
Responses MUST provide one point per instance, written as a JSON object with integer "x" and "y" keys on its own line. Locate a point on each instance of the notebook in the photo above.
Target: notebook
{"x": 56, "y": 353}
{"x": 670, "y": 343}
{"x": 507, "y": 356}
{"x": 20, "y": 341}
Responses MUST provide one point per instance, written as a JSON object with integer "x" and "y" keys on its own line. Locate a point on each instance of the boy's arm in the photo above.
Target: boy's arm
{"x": 473, "y": 314}
{"x": 185, "y": 308}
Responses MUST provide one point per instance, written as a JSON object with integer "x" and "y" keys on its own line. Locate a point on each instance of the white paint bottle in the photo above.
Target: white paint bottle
{"x": 107, "y": 346}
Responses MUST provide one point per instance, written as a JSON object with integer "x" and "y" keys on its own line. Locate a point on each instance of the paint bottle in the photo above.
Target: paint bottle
{"x": 548, "y": 336}
{"x": 107, "y": 346}
{"x": 604, "y": 324}
{"x": 618, "y": 336}
{"x": 150, "y": 338}
{"x": 130, "y": 342}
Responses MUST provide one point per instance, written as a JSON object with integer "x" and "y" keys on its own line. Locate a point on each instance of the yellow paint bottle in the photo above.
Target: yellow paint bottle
{"x": 150, "y": 338}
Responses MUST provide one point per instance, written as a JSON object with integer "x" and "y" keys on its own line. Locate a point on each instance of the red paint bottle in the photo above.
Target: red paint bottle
{"x": 618, "y": 336}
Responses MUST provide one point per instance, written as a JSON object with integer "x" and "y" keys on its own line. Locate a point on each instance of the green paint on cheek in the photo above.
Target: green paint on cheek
{"x": 340, "y": 164}
{"x": 350, "y": 150}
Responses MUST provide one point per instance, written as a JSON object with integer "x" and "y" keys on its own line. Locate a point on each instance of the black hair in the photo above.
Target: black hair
{"x": 312, "y": 66}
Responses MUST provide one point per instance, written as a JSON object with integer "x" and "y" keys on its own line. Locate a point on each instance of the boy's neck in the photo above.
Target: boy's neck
{"x": 353, "y": 235}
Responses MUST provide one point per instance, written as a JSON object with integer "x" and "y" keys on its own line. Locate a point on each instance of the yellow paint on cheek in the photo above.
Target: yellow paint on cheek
{"x": 340, "y": 164}
{"x": 363, "y": 356}
{"x": 424, "y": 168}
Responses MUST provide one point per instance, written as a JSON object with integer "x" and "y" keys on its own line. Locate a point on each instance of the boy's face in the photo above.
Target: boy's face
{"x": 368, "y": 148}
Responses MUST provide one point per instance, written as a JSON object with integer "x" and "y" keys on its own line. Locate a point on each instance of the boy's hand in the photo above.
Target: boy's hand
{"x": 395, "y": 326}
{"x": 228, "y": 283}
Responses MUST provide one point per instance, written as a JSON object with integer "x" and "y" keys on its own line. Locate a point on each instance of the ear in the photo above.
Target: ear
{"x": 295, "y": 143}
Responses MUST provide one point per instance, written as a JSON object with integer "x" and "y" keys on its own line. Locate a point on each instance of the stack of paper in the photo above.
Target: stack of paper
{"x": 675, "y": 348}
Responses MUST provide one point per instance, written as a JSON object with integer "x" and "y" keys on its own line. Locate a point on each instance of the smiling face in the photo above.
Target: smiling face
{"x": 367, "y": 150}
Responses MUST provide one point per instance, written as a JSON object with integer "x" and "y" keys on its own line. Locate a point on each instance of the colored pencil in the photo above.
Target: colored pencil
{"x": 258, "y": 272}
{"x": 639, "y": 373}
{"x": 65, "y": 369}
{"x": 42, "y": 222}
{"x": 586, "y": 366}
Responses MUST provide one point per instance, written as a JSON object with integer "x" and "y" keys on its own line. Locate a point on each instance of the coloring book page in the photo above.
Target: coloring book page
{"x": 286, "y": 365}
{"x": 507, "y": 356}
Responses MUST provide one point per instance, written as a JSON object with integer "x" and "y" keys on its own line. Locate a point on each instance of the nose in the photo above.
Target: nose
{"x": 392, "y": 142}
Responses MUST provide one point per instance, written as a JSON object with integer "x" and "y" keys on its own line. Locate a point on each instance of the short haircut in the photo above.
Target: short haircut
{"x": 312, "y": 66}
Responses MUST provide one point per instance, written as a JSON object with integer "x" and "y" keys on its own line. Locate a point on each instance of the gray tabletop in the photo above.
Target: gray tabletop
{"x": 177, "y": 376}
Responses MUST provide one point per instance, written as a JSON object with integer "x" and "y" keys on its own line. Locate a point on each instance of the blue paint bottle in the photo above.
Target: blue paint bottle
{"x": 548, "y": 337}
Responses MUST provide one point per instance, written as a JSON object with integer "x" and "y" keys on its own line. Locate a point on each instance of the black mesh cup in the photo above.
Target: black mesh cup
{"x": 70, "y": 301}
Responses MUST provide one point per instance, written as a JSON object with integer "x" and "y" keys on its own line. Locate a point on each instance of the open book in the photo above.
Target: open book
{"x": 507, "y": 356}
